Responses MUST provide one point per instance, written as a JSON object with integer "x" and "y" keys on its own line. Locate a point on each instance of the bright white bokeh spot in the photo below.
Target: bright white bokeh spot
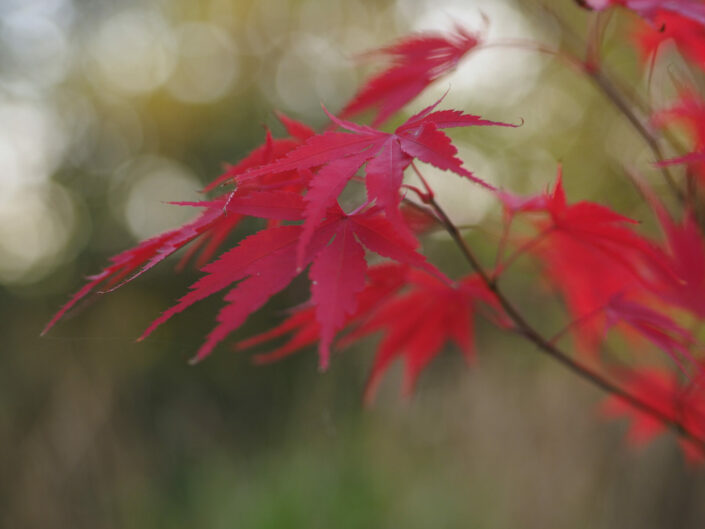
{"x": 38, "y": 47}
{"x": 208, "y": 63}
{"x": 37, "y": 218}
{"x": 100, "y": 141}
{"x": 31, "y": 144}
{"x": 36, "y": 225}
{"x": 311, "y": 72}
{"x": 134, "y": 51}
{"x": 151, "y": 183}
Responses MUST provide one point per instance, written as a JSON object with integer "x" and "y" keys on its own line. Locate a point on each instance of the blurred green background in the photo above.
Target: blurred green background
{"x": 109, "y": 109}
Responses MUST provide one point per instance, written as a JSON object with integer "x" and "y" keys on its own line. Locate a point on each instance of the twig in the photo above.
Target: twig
{"x": 611, "y": 92}
{"x": 549, "y": 348}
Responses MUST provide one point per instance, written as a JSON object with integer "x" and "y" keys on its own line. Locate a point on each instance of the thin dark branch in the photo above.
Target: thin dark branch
{"x": 611, "y": 92}
{"x": 605, "y": 83}
{"x": 547, "y": 347}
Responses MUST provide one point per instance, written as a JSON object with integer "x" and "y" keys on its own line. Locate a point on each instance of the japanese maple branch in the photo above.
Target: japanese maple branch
{"x": 546, "y": 346}
{"x": 610, "y": 91}
{"x": 590, "y": 66}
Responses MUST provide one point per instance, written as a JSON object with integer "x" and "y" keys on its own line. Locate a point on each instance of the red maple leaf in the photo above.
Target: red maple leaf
{"x": 382, "y": 281}
{"x": 418, "y": 322}
{"x": 687, "y": 34}
{"x": 688, "y": 112}
{"x": 600, "y": 229}
{"x": 416, "y": 62}
{"x": 271, "y": 150}
{"x": 589, "y": 254}
{"x": 135, "y": 261}
{"x": 212, "y": 226}
{"x": 266, "y": 262}
{"x": 660, "y": 390}
{"x": 654, "y": 326}
{"x": 332, "y": 241}
{"x": 514, "y": 204}
{"x": 650, "y": 9}
{"x": 301, "y": 328}
{"x": 587, "y": 223}
{"x": 587, "y": 280}
{"x": 337, "y": 156}
{"x": 215, "y": 223}
{"x": 684, "y": 247}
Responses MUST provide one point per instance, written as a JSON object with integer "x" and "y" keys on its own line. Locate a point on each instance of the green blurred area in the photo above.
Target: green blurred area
{"x": 111, "y": 108}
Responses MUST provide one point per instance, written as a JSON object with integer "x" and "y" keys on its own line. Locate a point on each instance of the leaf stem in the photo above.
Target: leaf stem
{"x": 429, "y": 191}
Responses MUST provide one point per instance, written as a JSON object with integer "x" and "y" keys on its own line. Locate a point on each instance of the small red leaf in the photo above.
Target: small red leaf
{"x": 236, "y": 264}
{"x": 380, "y": 236}
{"x": 384, "y": 175}
{"x": 337, "y": 275}
{"x": 325, "y": 187}
{"x": 416, "y": 62}
{"x": 295, "y": 128}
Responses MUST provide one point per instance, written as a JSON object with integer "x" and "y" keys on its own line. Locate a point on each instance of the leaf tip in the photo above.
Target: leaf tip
{"x": 195, "y": 360}
{"x": 51, "y": 324}
{"x": 323, "y": 363}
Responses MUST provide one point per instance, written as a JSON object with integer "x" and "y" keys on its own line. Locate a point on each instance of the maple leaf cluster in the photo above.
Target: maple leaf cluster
{"x": 612, "y": 277}
{"x": 295, "y": 184}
